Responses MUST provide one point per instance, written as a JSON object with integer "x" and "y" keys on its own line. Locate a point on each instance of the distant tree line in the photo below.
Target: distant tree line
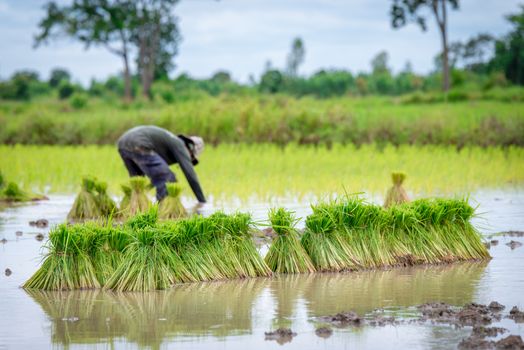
{"x": 482, "y": 62}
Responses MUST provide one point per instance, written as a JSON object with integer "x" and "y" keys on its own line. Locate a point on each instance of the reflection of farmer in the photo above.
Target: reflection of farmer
{"x": 149, "y": 150}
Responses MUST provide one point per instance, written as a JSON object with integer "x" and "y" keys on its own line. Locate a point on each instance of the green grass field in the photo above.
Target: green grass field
{"x": 271, "y": 119}
{"x": 262, "y": 172}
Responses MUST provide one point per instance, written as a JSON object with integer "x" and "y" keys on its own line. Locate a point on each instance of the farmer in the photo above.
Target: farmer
{"x": 149, "y": 150}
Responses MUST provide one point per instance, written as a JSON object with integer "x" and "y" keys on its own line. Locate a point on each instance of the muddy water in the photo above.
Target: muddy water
{"x": 235, "y": 314}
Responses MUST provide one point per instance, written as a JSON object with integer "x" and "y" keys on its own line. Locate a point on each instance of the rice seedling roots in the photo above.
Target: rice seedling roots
{"x": 145, "y": 254}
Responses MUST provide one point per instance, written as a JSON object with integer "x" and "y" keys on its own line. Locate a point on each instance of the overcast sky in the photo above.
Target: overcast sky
{"x": 241, "y": 35}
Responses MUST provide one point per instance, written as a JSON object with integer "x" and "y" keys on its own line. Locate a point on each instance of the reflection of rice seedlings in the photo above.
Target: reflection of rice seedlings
{"x": 135, "y": 197}
{"x": 396, "y": 194}
{"x": 328, "y": 293}
{"x": 286, "y": 254}
{"x": 171, "y": 207}
{"x": 67, "y": 265}
{"x": 80, "y": 317}
{"x": 85, "y": 205}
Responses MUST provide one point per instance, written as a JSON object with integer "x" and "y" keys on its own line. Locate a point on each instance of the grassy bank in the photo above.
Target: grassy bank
{"x": 275, "y": 119}
{"x": 263, "y": 171}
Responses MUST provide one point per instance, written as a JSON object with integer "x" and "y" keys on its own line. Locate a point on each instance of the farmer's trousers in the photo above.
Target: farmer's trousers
{"x": 150, "y": 164}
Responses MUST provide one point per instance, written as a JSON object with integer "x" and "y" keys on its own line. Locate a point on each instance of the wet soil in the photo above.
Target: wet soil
{"x": 514, "y": 244}
{"x": 8, "y": 272}
{"x": 516, "y": 315}
{"x": 281, "y": 335}
{"x": 494, "y": 242}
{"x": 40, "y": 223}
{"x": 39, "y": 237}
{"x": 513, "y": 233}
{"x": 324, "y": 332}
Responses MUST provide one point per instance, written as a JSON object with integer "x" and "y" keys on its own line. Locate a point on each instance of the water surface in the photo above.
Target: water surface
{"x": 235, "y": 314}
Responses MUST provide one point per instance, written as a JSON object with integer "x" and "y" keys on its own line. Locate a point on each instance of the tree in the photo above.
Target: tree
{"x": 379, "y": 63}
{"x": 58, "y": 75}
{"x": 118, "y": 25}
{"x": 404, "y": 11}
{"x": 157, "y": 38}
{"x": 509, "y": 50}
{"x": 295, "y": 57}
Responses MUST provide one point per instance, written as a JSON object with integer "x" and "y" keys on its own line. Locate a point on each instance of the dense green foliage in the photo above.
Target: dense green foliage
{"x": 414, "y": 119}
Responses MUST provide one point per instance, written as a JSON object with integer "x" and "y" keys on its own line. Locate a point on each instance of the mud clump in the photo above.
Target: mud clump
{"x": 473, "y": 342}
{"x": 19, "y": 233}
{"x": 513, "y": 233}
{"x": 40, "y": 223}
{"x": 516, "y": 315}
{"x": 8, "y": 272}
{"x": 472, "y": 314}
{"x": 342, "y": 319}
{"x": 281, "y": 335}
{"x": 514, "y": 244}
{"x": 487, "y": 331}
{"x": 495, "y": 306}
{"x": 39, "y": 237}
{"x": 324, "y": 332}
{"x": 510, "y": 342}
{"x": 438, "y": 312}
{"x": 382, "y": 321}
{"x": 494, "y": 242}
{"x": 3, "y": 241}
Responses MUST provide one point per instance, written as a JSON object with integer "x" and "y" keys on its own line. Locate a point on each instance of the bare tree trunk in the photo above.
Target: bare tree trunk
{"x": 127, "y": 79}
{"x": 439, "y": 9}
{"x": 445, "y": 61}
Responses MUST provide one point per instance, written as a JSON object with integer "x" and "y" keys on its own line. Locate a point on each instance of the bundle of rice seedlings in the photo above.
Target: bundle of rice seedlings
{"x": 66, "y": 266}
{"x": 137, "y": 200}
{"x": 396, "y": 194}
{"x": 197, "y": 242}
{"x": 106, "y": 205}
{"x": 324, "y": 244}
{"x": 107, "y": 250}
{"x": 85, "y": 205}
{"x": 286, "y": 254}
{"x": 171, "y": 207}
{"x": 449, "y": 221}
{"x": 144, "y": 264}
{"x": 359, "y": 224}
{"x": 244, "y": 254}
{"x": 13, "y": 193}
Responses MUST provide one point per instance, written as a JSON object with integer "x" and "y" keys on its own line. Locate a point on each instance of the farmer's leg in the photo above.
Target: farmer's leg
{"x": 132, "y": 167}
{"x": 156, "y": 168}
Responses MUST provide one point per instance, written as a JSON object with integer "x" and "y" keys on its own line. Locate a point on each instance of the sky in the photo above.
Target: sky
{"x": 240, "y": 36}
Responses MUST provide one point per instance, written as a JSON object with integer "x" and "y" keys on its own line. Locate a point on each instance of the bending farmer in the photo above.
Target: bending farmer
{"x": 149, "y": 150}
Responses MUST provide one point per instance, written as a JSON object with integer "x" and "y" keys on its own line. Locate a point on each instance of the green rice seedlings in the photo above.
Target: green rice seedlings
{"x": 106, "y": 205}
{"x": 124, "y": 203}
{"x": 85, "y": 206}
{"x": 396, "y": 194}
{"x": 199, "y": 247}
{"x": 171, "y": 207}
{"x": 66, "y": 265}
{"x": 13, "y": 193}
{"x": 145, "y": 263}
{"x": 244, "y": 256}
{"x": 137, "y": 201}
{"x": 2, "y": 181}
{"x": 286, "y": 254}
{"x": 324, "y": 244}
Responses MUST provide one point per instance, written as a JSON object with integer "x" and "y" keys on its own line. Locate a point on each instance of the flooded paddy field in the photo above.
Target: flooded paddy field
{"x": 366, "y": 309}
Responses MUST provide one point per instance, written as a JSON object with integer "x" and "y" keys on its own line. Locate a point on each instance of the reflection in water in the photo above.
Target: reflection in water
{"x": 226, "y": 308}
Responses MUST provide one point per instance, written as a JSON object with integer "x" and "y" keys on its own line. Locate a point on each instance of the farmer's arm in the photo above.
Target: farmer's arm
{"x": 184, "y": 160}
